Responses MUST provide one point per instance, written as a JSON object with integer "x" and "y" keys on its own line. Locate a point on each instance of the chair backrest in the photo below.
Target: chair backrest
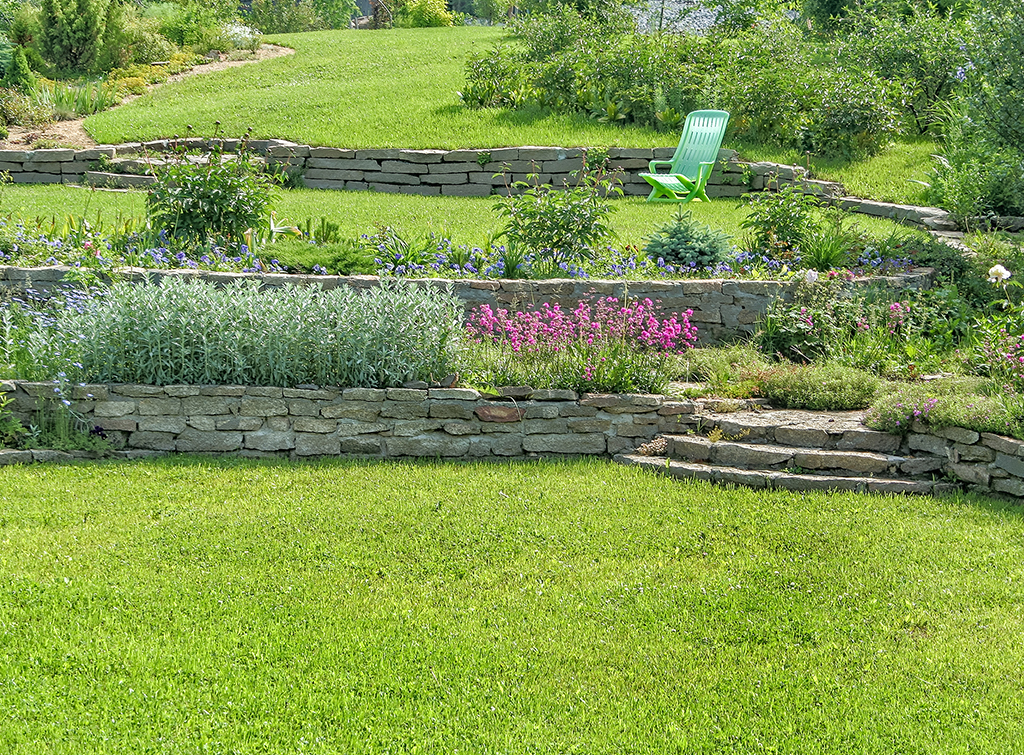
{"x": 702, "y": 137}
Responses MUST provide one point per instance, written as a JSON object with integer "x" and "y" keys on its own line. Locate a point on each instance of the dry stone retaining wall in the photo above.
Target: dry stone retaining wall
{"x": 723, "y": 310}
{"x": 385, "y": 423}
{"x": 456, "y": 423}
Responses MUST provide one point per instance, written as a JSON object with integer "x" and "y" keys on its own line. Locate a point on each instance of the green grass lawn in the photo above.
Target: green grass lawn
{"x": 187, "y": 605}
{"x": 888, "y": 177}
{"x": 389, "y": 88}
{"x": 466, "y": 220}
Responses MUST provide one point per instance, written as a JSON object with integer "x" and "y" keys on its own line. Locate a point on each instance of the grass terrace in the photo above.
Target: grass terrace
{"x": 391, "y": 88}
{"x": 235, "y": 605}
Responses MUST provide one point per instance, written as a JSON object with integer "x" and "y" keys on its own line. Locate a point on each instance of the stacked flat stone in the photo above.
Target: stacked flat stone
{"x": 385, "y": 423}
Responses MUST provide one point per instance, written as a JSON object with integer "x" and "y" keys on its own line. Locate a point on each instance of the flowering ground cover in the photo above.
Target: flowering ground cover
{"x": 187, "y": 604}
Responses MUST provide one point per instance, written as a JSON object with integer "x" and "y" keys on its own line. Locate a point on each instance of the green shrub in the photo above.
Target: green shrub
{"x": 71, "y": 32}
{"x": 425, "y": 13}
{"x": 130, "y": 39}
{"x": 687, "y": 243}
{"x": 19, "y": 76}
{"x": 6, "y": 53}
{"x": 216, "y": 197}
{"x": 763, "y": 78}
{"x": 494, "y": 78}
{"x": 827, "y": 386}
{"x": 284, "y": 16}
{"x": 855, "y": 115}
{"x": 196, "y": 26}
{"x": 917, "y": 48}
{"x": 193, "y": 332}
{"x": 779, "y": 222}
{"x": 574, "y": 63}
{"x": 11, "y": 430}
{"x": 559, "y": 227}
{"x": 995, "y": 74}
{"x": 20, "y": 109}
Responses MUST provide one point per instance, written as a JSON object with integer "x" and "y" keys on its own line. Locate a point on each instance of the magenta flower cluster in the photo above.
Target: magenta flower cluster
{"x": 553, "y": 328}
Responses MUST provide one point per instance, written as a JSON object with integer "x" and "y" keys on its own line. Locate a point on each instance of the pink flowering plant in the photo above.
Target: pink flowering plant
{"x": 604, "y": 345}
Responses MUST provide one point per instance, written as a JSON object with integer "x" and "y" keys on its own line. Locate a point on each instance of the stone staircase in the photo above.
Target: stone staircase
{"x": 794, "y": 450}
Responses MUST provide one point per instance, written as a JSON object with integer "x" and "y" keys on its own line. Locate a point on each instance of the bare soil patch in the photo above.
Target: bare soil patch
{"x": 73, "y": 134}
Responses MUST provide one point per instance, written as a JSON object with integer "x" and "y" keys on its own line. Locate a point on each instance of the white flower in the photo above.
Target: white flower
{"x": 811, "y": 276}
{"x": 997, "y": 274}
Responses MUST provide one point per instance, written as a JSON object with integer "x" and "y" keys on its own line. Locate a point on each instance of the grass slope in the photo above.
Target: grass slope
{"x": 187, "y": 605}
{"x": 466, "y": 220}
{"x": 389, "y": 88}
{"x": 888, "y": 177}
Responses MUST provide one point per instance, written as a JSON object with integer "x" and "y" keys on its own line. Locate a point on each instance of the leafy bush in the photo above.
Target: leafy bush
{"x": 20, "y": 109}
{"x": 11, "y": 430}
{"x": 854, "y": 115}
{"x": 284, "y": 16}
{"x": 194, "y": 332}
{"x": 996, "y": 75}
{"x": 762, "y": 79}
{"x": 571, "y": 62}
{"x": 820, "y": 387}
{"x": 686, "y": 242}
{"x": 129, "y": 38}
{"x": 604, "y": 346}
{"x": 216, "y": 197}
{"x": 559, "y": 227}
{"x": 779, "y": 222}
{"x": 196, "y": 26}
{"x": 425, "y": 13}
{"x": 71, "y": 32}
{"x": 915, "y": 47}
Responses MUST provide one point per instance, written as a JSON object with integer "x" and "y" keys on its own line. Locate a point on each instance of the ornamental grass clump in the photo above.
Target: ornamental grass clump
{"x": 243, "y": 334}
{"x": 606, "y": 345}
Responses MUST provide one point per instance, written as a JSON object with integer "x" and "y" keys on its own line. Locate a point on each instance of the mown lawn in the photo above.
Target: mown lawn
{"x": 466, "y": 220}
{"x": 196, "y": 605}
{"x": 388, "y": 88}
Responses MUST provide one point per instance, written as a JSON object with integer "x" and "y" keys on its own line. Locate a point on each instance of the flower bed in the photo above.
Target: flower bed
{"x": 722, "y": 310}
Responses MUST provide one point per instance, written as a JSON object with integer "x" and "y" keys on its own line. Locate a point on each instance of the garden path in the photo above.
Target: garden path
{"x": 73, "y": 133}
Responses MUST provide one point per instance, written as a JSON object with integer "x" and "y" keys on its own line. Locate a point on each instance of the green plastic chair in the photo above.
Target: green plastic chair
{"x": 693, "y": 161}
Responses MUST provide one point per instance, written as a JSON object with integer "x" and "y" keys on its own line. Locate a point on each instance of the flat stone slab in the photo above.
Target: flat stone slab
{"x": 779, "y": 480}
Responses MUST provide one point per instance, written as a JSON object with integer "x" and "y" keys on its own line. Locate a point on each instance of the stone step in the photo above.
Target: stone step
{"x": 771, "y": 456}
{"x": 779, "y": 480}
{"x": 842, "y": 431}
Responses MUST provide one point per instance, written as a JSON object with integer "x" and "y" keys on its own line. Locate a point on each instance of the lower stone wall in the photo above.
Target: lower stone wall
{"x": 722, "y": 310}
{"x": 452, "y": 423}
{"x": 383, "y": 423}
{"x": 984, "y": 462}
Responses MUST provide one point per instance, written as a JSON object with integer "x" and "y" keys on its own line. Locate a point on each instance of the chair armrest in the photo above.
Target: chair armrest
{"x": 655, "y": 163}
